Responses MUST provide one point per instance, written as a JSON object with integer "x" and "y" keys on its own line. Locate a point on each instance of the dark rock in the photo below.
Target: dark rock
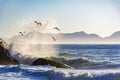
{"x": 42, "y": 61}
{"x": 5, "y": 58}
{"x": 81, "y": 63}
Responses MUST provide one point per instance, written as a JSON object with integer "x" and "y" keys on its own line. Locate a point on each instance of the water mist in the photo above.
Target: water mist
{"x": 35, "y": 43}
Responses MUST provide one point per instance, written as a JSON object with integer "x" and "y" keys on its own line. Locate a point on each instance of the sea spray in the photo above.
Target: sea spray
{"x": 35, "y": 43}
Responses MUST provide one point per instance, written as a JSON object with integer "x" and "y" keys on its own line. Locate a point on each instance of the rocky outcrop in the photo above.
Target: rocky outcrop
{"x": 81, "y": 63}
{"x": 5, "y": 58}
{"x": 42, "y": 61}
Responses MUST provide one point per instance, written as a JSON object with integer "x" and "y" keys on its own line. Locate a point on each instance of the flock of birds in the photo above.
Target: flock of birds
{"x": 41, "y": 25}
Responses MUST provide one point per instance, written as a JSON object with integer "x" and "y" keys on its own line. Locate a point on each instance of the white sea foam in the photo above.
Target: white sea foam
{"x": 34, "y": 43}
{"x": 65, "y": 74}
{"x": 51, "y": 73}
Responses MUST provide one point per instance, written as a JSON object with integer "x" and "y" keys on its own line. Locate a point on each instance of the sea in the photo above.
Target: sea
{"x": 100, "y": 62}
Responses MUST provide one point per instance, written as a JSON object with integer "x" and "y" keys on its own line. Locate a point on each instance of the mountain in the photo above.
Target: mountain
{"x": 80, "y": 37}
{"x": 83, "y": 37}
{"x": 114, "y": 37}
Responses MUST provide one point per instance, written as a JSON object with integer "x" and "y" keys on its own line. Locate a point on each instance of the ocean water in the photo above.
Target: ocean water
{"x": 96, "y": 52}
{"x": 103, "y": 60}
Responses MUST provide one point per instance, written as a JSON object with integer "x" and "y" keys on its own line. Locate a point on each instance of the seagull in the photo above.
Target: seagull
{"x": 38, "y": 23}
{"x": 53, "y": 38}
{"x": 21, "y": 33}
{"x": 56, "y": 28}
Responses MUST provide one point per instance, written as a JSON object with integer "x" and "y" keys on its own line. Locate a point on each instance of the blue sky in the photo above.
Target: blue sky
{"x": 92, "y": 16}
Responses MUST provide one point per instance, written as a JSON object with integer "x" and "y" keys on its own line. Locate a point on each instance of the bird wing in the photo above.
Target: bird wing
{"x": 21, "y": 33}
{"x": 53, "y": 38}
{"x": 40, "y": 23}
{"x": 57, "y": 28}
{"x": 36, "y": 22}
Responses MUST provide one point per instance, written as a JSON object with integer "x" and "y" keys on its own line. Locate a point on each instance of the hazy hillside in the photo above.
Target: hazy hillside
{"x": 79, "y": 37}
{"x": 114, "y": 37}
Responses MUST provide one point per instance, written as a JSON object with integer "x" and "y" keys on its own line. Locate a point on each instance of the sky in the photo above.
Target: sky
{"x": 92, "y": 16}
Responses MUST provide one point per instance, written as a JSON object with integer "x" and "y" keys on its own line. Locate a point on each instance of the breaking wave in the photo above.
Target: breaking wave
{"x": 51, "y": 73}
{"x": 33, "y": 42}
{"x": 84, "y": 63}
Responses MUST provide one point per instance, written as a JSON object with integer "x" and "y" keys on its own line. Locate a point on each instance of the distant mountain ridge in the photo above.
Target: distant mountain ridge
{"x": 115, "y": 35}
{"x": 82, "y": 36}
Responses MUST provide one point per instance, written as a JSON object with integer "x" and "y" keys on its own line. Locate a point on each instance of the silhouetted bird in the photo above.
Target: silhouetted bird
{"x": 56, "y": 28}
{"x": 21, "y": 33}
{"x": 53, "y": 38}
{"x": 38, "y": 23}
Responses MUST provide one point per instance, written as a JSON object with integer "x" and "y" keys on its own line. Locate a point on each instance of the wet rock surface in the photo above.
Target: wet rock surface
{"x": 42, "y": 61}
{"x": 5, "y": 58}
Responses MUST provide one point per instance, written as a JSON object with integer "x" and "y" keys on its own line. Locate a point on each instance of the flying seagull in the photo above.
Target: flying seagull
{"x": 21, "y": 33}
{"x": 53, "y": 38}
{"x": 56, "y": 28}
{"x": 38, "y": 23}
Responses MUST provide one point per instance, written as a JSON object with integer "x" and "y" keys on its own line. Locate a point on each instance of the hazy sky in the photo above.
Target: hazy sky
{"x": 92, "y": 16}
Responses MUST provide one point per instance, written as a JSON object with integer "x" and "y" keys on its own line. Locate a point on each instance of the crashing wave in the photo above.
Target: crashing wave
{"x": 33, "y": 42}
{"x": 51, "y": 73}
{"x": 84, "y": 63}
{"x": 30, "y": 46}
